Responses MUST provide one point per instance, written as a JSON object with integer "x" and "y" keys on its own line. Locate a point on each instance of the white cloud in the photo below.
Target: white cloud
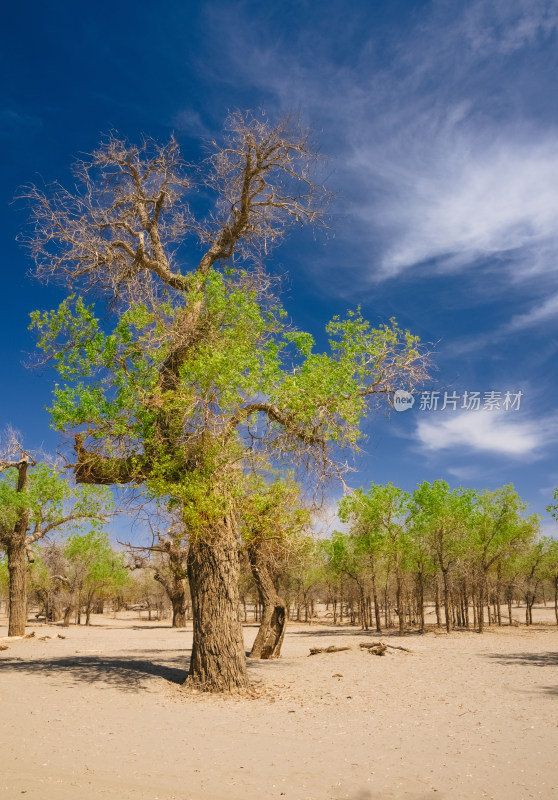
{"x": 459, "y": 197}
{"x": 542, "y": 313}
{"x": 497, "y": 432}
{"x": 437, "y": 159}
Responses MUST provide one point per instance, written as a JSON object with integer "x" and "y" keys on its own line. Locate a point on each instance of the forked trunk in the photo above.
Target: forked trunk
{"x": 218, "y": 662}
{"x": 271, "y": 633}
{"x": 17, "y": 571}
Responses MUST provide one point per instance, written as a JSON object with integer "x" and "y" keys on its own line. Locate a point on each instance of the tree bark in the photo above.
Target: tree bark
{"x": 17, "y": 570}
{"x": 218, "y": 662}
{"x": 271, "y": 633}
{"x": 178, "y": 602}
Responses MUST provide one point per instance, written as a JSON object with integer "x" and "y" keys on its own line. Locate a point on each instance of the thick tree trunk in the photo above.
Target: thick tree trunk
{"x": 17, "y": 570}
{"x": 271, "y": 633}
{"x": 218, "y": 662}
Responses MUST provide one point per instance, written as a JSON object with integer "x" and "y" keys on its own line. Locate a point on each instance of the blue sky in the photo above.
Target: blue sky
{"x": 439, "y": 122}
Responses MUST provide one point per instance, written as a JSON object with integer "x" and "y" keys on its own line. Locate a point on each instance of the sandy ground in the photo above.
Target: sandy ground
{"x": 101, "y": 714}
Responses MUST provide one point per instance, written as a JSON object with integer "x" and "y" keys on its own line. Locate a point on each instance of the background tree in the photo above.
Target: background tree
{"x": 34, "y": 501}
{"x": 379, "y": 518}
{"x": 442, "y": 515}
{"x": 496, "y": 528}
{"x": 167, "y": 558}
{"x": 200, "y": 367}
{"x": 94, "y": 570}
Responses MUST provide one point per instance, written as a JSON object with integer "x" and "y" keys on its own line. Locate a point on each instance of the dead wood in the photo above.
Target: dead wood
{"x": 379, "y": 648}
{"x": 331, "y": 649}
{"x": 15, "y": 638}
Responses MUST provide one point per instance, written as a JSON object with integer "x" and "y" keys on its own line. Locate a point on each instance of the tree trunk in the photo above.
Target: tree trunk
{"x": 271, "y": 633}
{"x": 437, "y": 603}
{"x": 218, "y": 662}
{"x": 447, "y": 609}
{"x": 17, "y": 570}
{"x": 178, "y": 612}
{"x": 420, "y": 600}
{"x": 177, "y": 596}
{"x": 482, "y": 588}
{"x": 556, "y": 598}
{"x": 376, "y": 605}
{"x": 400, "y": 605}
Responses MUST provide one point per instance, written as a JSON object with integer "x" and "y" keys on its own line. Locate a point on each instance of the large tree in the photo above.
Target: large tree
{"x": 200, "y": 368}
{"x": 35, "y": 499}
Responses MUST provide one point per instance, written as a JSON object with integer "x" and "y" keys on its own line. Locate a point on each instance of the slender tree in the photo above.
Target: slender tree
{"x": 442, "y": 515}
{"x": 380, "y": 517}
{"x": 34, "y": 501}
{"x": 98, "y": 570}
{"x": 496, "y": 527}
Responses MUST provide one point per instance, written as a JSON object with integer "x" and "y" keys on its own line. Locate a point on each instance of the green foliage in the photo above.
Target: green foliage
{"x": 51, "y": 502}
{"x": 271, "y": 509}
{"x": 246, "y": 356}
{"x": 96, "y": 567}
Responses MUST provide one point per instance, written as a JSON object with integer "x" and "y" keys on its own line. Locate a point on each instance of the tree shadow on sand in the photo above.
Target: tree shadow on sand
{"x": 127, "y": 674}
{"x": 130, "y": 674}
{"x": 526, "y": 659}
{"x": 333, "y": 631}
{"x": 529, "y": 660}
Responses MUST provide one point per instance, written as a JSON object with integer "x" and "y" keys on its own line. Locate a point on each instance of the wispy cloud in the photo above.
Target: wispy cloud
{"x": 445, "y": 165}
{"x": 498, "y": 433}
{"x": 467, "y": 199}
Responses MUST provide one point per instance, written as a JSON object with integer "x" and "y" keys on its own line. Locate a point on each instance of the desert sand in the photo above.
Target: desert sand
{"x": 102, "y": 714}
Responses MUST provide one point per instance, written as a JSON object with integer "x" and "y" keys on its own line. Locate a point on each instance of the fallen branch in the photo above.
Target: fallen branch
{"x": 331, "y": 649}
{"x": 379, "y": 648}
{"x": 15, "y": 638}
